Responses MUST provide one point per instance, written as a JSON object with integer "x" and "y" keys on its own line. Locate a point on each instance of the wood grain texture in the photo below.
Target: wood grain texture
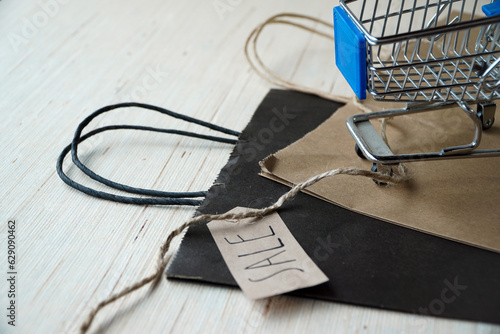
{"x": 61, "y": 60}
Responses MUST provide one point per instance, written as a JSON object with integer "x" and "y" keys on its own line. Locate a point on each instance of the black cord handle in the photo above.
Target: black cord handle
{"x": 157, "y": 197}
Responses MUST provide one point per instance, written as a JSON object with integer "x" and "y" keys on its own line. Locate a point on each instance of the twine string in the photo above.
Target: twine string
{"x": 256, "y": 63}
{"x": 161, "y": 262}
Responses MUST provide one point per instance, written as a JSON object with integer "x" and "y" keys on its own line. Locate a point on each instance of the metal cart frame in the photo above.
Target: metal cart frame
{"x": 428, "y": 53}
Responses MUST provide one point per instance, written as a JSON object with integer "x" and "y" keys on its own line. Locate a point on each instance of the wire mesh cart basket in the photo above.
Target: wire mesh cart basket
{"x": 428, "y": 53}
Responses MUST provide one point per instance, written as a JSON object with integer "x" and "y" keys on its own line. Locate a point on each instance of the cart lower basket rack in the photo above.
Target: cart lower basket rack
{"x": 428, "y": 53}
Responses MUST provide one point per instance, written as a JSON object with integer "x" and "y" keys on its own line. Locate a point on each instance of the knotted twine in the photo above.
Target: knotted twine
{"x": 400, "y": 176}
{"x": 161, "y": 261}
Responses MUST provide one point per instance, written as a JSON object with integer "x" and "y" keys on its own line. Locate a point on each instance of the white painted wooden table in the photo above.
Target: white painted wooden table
{"x": 62, "y": 59}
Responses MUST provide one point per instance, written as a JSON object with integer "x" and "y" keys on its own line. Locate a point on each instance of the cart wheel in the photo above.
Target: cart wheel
{"x": 375, "y": 169}
{"x": 488, "y": 123}
{"x": 359, "y": 152}
{"x": 486, "y": 112}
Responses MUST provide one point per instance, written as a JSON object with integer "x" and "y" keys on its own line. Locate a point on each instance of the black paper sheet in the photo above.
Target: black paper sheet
{"x": 369, "y": 262}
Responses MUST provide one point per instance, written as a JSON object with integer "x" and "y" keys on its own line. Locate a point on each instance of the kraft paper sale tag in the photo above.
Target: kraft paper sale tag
{"x": 263, "y": 256}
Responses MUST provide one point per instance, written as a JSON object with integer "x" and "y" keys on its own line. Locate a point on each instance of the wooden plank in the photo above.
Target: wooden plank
{"x": 63, "y": 59}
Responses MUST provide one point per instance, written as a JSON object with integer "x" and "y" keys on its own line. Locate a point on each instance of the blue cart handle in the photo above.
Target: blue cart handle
{"x": 492, "y": 9}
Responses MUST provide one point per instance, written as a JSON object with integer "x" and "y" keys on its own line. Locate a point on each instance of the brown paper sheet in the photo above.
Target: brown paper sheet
{"x": 263, "y": 256}
{"x": 454, "y": 199}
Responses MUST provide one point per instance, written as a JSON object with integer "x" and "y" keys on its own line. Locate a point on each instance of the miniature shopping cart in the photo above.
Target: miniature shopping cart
{"x": 428, "y": 53}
